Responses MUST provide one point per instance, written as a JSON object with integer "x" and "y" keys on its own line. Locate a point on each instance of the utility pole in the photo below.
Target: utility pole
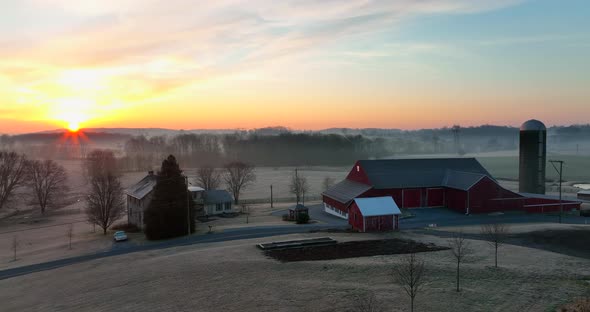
{"x": 188, "y": 209}
{"x": 271, "y": 199}
{"x": 560, "y": 172}
{"x": 297, "y": 185}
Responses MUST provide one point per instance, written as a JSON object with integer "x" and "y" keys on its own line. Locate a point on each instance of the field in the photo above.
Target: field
{"x": 237, "y": 276}
{"x": 575, "y": 168}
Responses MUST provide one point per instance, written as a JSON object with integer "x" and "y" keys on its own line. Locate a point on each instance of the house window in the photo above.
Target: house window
{"x": 218, "y": 207}
{"x": 358, "y": 168}
{"x": 227, "y": 206}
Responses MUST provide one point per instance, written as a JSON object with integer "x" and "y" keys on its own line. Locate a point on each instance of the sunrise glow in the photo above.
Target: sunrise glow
{"x": 310, "y": 65}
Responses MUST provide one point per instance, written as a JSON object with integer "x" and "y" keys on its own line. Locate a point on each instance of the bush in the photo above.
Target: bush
{"x": 286, "y": 217}
{"x": 302, "y": 218}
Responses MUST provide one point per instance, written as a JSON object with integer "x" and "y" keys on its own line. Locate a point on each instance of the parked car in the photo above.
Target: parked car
{"x": 120, "y": 236}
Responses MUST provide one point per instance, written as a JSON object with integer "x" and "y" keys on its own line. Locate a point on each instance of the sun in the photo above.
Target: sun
{"x": 73, "y": 126}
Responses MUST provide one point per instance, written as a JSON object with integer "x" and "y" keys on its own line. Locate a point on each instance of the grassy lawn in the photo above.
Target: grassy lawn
{"x": 575, "y": 168}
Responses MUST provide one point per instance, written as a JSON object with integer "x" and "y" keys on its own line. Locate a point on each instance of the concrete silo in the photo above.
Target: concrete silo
{"x": 533, "y": 153}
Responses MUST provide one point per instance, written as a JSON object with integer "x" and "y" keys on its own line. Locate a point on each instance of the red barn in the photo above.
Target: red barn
{"x": 461, "y": 184}
{"x": 374, "y": 214}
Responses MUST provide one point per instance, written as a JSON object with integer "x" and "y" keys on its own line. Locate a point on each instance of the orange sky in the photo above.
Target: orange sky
{"x": 304, "y": 65}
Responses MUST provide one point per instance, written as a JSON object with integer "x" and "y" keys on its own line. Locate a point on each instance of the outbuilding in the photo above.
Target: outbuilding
{"x": 373, "y": 214}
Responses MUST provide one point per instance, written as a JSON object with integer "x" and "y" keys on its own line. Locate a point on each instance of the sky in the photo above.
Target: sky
{"x": 308, "y": 64}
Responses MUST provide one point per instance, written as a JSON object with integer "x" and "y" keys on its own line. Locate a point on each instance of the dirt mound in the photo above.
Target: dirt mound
{"x": 352, "y": 250}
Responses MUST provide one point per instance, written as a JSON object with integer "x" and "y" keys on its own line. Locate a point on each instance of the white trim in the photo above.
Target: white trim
{"x": 335, "y": 212}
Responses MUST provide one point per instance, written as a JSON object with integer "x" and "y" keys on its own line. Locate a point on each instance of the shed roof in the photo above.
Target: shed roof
{"x": 377, "y": 206}
{"x": 346, "y": 190}
{"x": 217, "y": 197}
{"x": 143, "y": 187}
{"x": 408, "y": 173}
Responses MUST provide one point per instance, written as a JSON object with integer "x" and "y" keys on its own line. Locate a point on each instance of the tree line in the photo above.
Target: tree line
{"x": 284, "y": 149}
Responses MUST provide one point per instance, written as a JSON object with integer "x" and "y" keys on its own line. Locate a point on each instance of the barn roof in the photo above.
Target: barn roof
{"x": 346, "y": 190}
{"x": 217, "y": 197}
{"x": 143, "y": 187}
{"x": 461, "y": 180}
{"x": 408, "y": 173}
{"x": 377, "y": 206}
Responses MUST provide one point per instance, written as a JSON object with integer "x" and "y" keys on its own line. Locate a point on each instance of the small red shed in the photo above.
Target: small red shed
{"x": 373, "y": 214}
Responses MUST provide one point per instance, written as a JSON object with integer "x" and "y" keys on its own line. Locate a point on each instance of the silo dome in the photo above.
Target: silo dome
{"x": 533, "y": 125}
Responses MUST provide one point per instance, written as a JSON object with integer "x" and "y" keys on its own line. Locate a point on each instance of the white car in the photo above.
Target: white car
{"x": 120, "y": 236}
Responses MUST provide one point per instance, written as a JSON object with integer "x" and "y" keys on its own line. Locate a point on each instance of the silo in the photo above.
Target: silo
{"x": 533, "y": 152}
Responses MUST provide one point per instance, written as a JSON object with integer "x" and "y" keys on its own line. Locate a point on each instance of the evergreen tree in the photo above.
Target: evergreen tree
{"x": 171, "y": 204}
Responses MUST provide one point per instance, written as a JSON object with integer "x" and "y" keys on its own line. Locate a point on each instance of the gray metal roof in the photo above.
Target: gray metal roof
{"x": 346, "y": 190}
{"x": 217, "y": 197}
{"x": 143, "y": 187}
{"x": 533, "y": 125}
{"x": 409, "y": 173}
{"x": 461, "y": 180}
{"x": 377, "y": 206}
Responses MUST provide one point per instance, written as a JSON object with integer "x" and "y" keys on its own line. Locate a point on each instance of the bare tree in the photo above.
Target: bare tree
{"x": 208, "y": 178}
{"x": 48, "y": 182}
{"x": 105, "y": 200}
{"x": 409, "y": 274}
{"x": 495, "y": 235}
{"x": 367, "y": 302}
{"x": 238, "y": 175}
{"x": 14, "y": 246}
{"x": 99, "y": 161}
{"x": 298, "y": 186}
{"x": 327, "y": 183}
{"x": 106, "y": 203}
{"x": 70, "y": 234}
{"x": 13, "y": 168}
{"x": 461, "y": 251}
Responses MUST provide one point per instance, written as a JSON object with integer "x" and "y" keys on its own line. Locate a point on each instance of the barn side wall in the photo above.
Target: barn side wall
{"x": 359, "y": 175}
{"x": 379, "y": 223}
{"x": 456, "y": 200}
{"x": 355, "y": 218}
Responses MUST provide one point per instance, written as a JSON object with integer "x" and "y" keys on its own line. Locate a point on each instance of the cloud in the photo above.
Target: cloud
{"x": 156, "y": 46}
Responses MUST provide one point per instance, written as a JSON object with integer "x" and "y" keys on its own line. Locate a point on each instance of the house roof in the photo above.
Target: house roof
{"x": 217, "y": 197}
{"x": 346, "y": 190}
{"x": 377, "y": 206}
{"x": 408, "y": 173}
{"x": 195, "y": 189}
{"x": 143, "y": 187}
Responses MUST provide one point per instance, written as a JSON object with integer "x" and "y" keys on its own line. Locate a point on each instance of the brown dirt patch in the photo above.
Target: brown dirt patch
{"x": 352, "y": 249}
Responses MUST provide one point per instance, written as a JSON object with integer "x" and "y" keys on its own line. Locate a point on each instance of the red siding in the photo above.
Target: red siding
{"x": 456, "y": 200}
{"x": 370, "y": 224}
{"x": 359, "y": 175}
{"x": 411, "y": 198}
{"x": 379, "y": 223}
{"x": 481, "y": 193}
{"x": 435, "y": 197}
{"x": 334, "y": 203}
{"x": 542, "y": 205}
{"x": 396, "y": 194}
{"x": 355, "y": 218}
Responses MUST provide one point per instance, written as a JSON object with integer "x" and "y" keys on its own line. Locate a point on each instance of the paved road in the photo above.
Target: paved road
{"x": 423, "y": 218}
{"x": 129, "y": 247}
